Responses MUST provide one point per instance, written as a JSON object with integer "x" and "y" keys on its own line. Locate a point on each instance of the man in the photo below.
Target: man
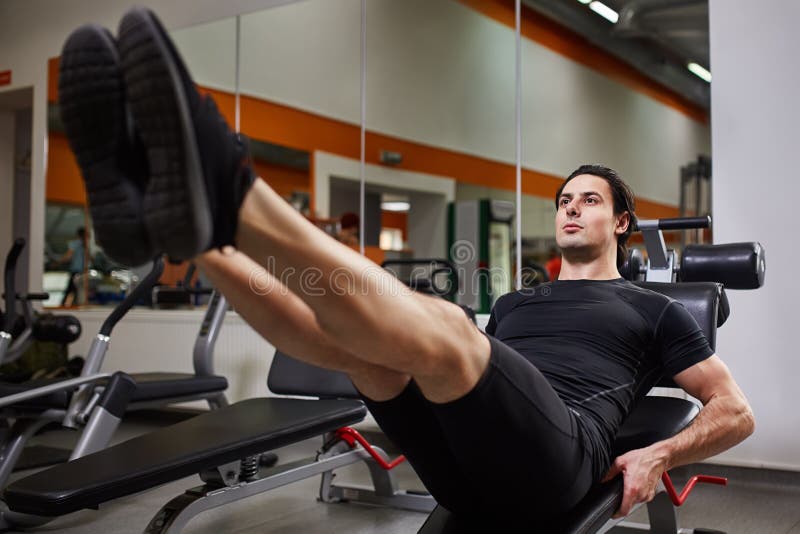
{"x": 515, "y": 425}
{"x": 75, "y": 259}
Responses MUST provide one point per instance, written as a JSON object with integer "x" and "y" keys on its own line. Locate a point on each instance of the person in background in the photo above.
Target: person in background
{"x": 349, "y": 226}
{"x": 553, "y": 265}
{"x": 75, "y": 260}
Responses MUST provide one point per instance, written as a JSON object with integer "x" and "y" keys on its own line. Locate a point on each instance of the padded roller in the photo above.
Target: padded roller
{"x": 734, "y": 265}
{"x": 57, "y": 328}
{"x": 633, "y": 266}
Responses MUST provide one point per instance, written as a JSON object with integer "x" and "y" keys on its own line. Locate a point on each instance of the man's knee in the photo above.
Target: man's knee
{"x": 452, "y": 363}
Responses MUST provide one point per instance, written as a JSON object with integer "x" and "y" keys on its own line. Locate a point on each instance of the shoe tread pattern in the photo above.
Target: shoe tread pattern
{"x": 168, "y": 206}
{"x": 91, "y": 97}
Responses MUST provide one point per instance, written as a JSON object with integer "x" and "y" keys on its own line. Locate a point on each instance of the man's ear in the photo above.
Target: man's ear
{"x": 622, "y": 223}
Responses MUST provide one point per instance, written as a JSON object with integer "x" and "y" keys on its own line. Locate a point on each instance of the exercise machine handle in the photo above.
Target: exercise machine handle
{"x": 10, "y": 281}
{"x": 676, "y": 223}
{"x": 35, "y": 296}
{"x": 142, "y": 290}
{"x": 678, "y": 500}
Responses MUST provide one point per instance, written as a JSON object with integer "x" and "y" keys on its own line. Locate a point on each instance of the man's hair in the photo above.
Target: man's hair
{"x": 81, "y": 232}
{"x": 623, "y": 201}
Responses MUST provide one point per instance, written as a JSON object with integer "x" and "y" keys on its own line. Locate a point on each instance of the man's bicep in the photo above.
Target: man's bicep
{"x": 706, "y": 379}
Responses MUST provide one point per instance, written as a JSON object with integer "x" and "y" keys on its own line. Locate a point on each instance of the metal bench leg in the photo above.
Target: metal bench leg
{"x": 384, "y": 491}
{"x": 16, "y": 438}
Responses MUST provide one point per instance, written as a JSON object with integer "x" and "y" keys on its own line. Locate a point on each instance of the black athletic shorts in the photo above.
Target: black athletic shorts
{"x": 508, "y": 452}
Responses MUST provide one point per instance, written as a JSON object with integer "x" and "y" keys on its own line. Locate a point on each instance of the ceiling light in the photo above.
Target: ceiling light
{"x": 699, "y": 71}
{"x": 604, "y": 11}
{"x": 585, "y": 1}
{"x": 395, "y": 206}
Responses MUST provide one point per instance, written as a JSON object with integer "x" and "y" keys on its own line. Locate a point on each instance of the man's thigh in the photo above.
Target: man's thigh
{"x": 508, "y": 444}
{"x": 516, "y": 439}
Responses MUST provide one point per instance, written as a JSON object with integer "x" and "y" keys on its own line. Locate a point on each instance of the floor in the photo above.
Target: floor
{"x": 755, "y": 501}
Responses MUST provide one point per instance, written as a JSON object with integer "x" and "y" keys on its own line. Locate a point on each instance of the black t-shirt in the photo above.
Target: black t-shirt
{"x": 602, "y": 344}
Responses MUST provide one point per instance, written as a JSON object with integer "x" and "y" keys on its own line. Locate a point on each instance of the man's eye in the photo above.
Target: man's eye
{"x": 591, "y": 200}
{"x": 564, "y": 201}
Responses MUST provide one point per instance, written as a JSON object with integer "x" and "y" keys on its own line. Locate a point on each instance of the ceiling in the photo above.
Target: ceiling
{"x": 657, "y": 37}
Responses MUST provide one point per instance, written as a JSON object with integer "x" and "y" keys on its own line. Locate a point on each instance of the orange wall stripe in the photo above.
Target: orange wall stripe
{"x": 52, "y": 79}
{"x": 395, "y": 219}
{"x": 64, "y": 182}
{"x": 294, "y": 128}
{"x": 283, "y": 180}
{"x": 548, "y": 33}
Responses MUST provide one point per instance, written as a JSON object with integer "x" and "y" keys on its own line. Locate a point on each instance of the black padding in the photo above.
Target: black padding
{"x": 158, "y": 386}
{"x": 633, "y": 265}
{"x": 288, "y": 376}
{"x": 117, "y": 394}
{"x": 700, "y": 298}
{"x": 735, "y": 265}
{"x": 56, "y": 328}
{"x": 58, "y": 400}
{"x": 441, "y": 521}
{"x": 654, "y": 419}
{"x": 215, "y": 438}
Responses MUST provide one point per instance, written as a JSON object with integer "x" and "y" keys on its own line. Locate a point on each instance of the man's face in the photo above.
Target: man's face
{"x": 585, "y": 220}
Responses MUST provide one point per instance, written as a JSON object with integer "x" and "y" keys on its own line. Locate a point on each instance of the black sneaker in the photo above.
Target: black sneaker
{"x": 112, "y": 162}
{"x": 199, "y": 172}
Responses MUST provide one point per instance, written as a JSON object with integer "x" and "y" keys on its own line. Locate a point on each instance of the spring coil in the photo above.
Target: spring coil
{"x": 249, "y": 468}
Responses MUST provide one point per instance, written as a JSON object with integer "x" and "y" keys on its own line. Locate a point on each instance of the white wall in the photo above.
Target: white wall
{"x": 755, "y": 121}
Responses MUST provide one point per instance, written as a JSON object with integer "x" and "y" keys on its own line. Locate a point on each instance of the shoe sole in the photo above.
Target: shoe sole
{"x": 176, "y": 208}
{"x": 92, "y": 104}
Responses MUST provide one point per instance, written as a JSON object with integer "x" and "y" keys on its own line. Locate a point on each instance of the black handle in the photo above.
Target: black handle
{"x": 10, "y": 280}
{"x": 684, "y": 223}
{"x": 438, "y": 266}
{"x": 35, "y": 296}
{"x": 143, "y": 289}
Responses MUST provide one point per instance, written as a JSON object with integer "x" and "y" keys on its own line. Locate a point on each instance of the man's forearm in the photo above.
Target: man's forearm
{"x": 722, "y": 423}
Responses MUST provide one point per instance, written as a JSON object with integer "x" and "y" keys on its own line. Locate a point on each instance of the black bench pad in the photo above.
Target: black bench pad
{"x": 248, "y": 427}
{"x": 158, "y": 386}
{"x": 654, "y": 419}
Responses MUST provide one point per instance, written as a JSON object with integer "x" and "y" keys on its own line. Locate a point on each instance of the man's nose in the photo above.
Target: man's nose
{"x": 572, "y": 209}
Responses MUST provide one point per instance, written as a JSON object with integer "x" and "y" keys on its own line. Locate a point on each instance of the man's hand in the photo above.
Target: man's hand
{"x": 641, "y": 471}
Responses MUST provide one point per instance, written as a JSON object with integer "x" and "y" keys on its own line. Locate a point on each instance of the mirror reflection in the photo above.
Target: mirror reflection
{"x": 300, "y": 107}
{"x": 440, "y": 140}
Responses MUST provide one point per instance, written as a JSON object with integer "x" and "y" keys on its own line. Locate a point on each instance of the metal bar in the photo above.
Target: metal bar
{"x": 362, "y": 160}
{"x": 97, "y": 434}
{"x": 8, "y": 400}
{"x": 238, "y": 64}
{"x": 174, "y": 516}
{"x": 399, "y": 499}
{"x": 203, "y": 354}
{"x": 518, "y": 126}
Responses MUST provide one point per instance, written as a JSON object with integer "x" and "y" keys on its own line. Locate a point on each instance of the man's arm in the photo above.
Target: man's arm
{"x": 725, "y": 420}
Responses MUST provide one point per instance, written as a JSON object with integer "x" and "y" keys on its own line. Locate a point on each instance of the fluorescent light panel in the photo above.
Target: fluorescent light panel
{"x": 604, "y": 11}
{"x": 584, "y": 2}
{"x": 699, "y": 71}
{"x": 395, "y": 206}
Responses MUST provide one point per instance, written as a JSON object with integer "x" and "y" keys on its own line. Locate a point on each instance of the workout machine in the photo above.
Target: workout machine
{"x": 18, "y": 332}
{"x": 95, "y": 402}
{"x": 697, "y": 281}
